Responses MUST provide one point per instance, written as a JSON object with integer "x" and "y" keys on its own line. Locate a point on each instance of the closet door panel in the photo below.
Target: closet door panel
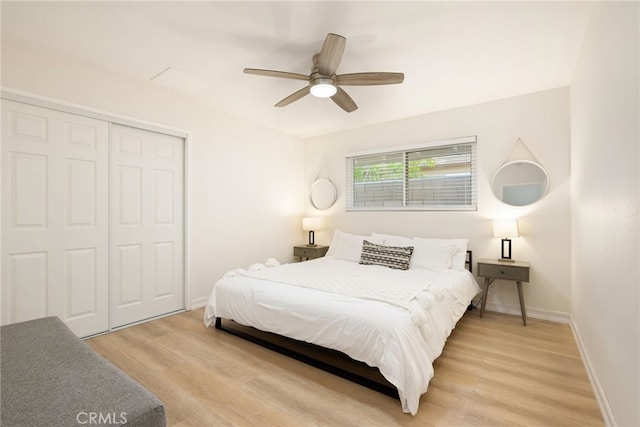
{"x": 147, "y": 224}
{"x": 128, "y": 277}
{"x": 54, "y": 222}
{"x": 28, "y": 190}
{"x": 82, "y": 193}
{"x": 81, "y": 282}
{"x": 27, "y": 283}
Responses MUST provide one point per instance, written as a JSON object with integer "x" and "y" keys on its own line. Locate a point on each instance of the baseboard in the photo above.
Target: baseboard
{"x": 554, "y": 316}
{"x": 198, "y": 303}
{"x": 128, "y": 325}
{"x": 601, "y": 397}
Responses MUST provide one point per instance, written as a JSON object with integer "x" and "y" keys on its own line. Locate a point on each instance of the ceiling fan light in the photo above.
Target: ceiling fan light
{"x": 323, "y": 88}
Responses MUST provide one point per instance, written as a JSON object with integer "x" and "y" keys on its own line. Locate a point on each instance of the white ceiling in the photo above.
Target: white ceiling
{"x": 452, "y": 53}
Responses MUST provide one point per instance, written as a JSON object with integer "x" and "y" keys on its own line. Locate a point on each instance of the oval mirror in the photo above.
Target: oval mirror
{"x": 520, "y": 183}
{"x": 323, "y": 194}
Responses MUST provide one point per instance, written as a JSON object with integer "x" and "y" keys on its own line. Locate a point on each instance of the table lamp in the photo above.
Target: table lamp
{"x": 311, "y": 224}
{"x": 505, "y": 229}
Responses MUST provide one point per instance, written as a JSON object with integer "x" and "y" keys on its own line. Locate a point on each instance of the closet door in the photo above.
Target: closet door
{"x": 54, "y": 217}
{"x": 147, "y": 233}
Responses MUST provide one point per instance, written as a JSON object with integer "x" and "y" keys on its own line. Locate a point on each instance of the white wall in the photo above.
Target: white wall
{"x": 605, "y": 207}
{"x": 542, "y": 121}
{"x": 246, "y": 190}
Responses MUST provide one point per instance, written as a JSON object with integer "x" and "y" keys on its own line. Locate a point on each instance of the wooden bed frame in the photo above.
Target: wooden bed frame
{"x": 328, "y": 360}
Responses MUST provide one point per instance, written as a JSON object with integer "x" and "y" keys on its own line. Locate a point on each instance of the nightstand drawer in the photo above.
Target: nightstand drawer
{"x": 509, "y": 272}
{"x": 310, "y": 251}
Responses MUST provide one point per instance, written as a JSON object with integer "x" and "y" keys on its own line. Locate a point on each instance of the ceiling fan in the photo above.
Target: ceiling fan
{"x": 323, "y": 80}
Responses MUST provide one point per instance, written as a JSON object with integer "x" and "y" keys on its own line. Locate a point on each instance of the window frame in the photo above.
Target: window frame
{"x": 470, "y": 141}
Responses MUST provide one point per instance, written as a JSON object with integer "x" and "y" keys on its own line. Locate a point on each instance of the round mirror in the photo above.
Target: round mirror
{"x": 323, "y": 194}
{"x": 520, "y": 183}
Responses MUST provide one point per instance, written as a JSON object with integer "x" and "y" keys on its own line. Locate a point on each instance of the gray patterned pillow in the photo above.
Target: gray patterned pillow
{"x": 397, "y": 257}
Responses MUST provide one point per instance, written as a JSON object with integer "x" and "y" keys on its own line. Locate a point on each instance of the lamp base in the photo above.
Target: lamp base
{"x": 506, "y": 250}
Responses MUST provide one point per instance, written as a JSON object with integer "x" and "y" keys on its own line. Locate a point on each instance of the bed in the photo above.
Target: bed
{"x": 394, "y": 318}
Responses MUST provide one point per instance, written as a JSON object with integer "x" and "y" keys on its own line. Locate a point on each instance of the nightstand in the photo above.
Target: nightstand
{"x": 492, "y": 269}
{"x": 310, "y": 252}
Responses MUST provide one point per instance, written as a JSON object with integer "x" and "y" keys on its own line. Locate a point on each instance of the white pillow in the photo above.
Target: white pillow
{"x": 391, "y": 240}
{"x": 348, "y": 246}
{"x": 432, "y": 254}
{"x": 334, "y": 243}
{"x": 459, "y": 254}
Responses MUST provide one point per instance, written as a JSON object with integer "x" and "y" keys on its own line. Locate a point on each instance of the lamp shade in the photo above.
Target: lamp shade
{"x": 505, "y": 228}
{"x": 311, "y": 224}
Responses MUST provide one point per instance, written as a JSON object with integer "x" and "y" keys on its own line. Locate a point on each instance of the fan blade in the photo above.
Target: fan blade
{"x": 294, "y": 97}
{"x": 331, "y": 54}
{"x": 344, "y": 101}
{"x": 281, "y": 74}
{"x": 369, "y": 79}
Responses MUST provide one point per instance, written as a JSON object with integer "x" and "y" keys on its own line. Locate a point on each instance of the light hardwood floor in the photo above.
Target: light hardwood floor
{"x": 493, "y": 371}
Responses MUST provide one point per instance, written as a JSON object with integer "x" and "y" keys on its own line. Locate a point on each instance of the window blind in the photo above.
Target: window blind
{"x": 433, "y": 177}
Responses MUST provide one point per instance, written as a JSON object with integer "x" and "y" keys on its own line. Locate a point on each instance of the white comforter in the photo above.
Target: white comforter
{"x": 397, "y": 321}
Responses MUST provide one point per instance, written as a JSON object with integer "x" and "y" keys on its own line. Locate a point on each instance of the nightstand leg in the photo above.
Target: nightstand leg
{"x": 522, "y": 309}
{"x": 487, "y": 282}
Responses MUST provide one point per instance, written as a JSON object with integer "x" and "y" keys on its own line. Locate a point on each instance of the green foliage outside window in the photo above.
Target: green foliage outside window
{"x": 391, "y": 171}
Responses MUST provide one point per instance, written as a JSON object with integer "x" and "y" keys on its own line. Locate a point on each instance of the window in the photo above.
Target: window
{"x": 438, "y": 176}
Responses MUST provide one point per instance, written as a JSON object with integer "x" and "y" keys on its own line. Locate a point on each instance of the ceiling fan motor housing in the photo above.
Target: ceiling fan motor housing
{"x": 322, "y": 86}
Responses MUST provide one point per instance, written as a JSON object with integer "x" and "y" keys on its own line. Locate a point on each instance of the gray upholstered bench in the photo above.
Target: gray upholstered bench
{"x": 51, "y": 378}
